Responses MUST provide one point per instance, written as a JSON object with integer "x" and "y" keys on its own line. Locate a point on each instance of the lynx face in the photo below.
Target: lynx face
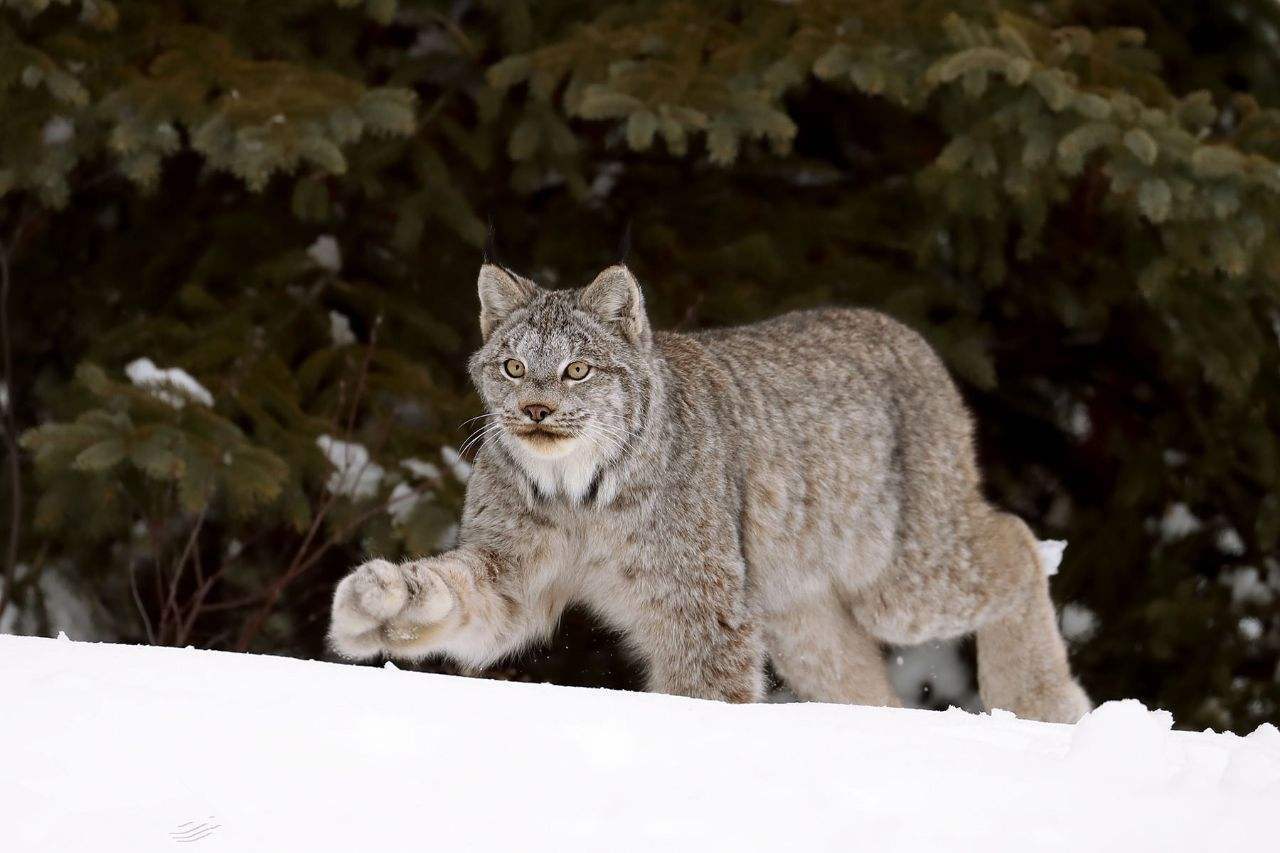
{"x": 558, "y": 372}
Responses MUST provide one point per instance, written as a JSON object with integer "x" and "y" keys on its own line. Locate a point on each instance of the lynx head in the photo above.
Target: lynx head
{"x": 560, "y": 371}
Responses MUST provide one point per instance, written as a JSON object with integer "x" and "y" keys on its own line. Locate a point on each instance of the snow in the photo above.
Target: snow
{"x": 1178, "y": 522}
{"x": 326, "y": 253}
{"x": 1050, "y": 552}
{"x": 1248, "y": 586}
{"x": 1074, "y": 417}
{"x": 933, "y": 674}
{"x": 355, "y": 474}
{"x": 1078, "y": 623}
{"x": 1124, "y": 740}
{"x": 1230, "y": 543}
{"x": 421, "y": 469}
{"x": 124, "y": 749}
{"x": 1251, "y": 628}
{"x": 64, "y": 603}
{"x": 57, "y": 130}
{"x": 401, "y": 503}
{"x": 173, "y": 385}
{"x": 340, "y": 329}
{"x": 460, "y": 467}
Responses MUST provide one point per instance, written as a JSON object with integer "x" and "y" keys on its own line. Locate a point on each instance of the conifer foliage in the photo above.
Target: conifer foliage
{"x": 238, "y": 243}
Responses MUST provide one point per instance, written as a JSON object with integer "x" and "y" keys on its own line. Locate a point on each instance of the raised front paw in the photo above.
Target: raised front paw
{"x": 386, "y": 609}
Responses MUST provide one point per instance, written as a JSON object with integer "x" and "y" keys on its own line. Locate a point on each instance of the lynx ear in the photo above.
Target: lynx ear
{"x": 615, "y": 297}
{"x": 501, "y": 292}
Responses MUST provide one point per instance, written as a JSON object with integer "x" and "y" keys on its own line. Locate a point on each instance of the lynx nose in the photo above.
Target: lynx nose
{"x": 537, "y": 412}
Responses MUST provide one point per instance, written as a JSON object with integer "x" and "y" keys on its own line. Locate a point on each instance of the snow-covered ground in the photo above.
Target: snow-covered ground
{"x": 111, "y": 748}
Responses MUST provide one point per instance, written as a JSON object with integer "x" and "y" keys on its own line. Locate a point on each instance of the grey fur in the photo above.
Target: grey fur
{"x": 803, "y": 488}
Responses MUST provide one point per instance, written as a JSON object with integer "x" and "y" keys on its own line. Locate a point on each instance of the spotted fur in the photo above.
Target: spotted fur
{"x": 803, "y": 488}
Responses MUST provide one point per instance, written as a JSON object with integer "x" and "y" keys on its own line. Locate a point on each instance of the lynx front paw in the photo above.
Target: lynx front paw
{"x": 381, "y": 608}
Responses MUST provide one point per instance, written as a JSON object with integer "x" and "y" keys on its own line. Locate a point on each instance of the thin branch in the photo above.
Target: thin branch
{"x": 273, "y": 592}
{"x": 353, "y": 525}
{"x": 450, "y": 26}
{"x": 137, "y": 600}
{"x": 196, "y": 605}
{"x": 364, "y": 376}
{"x": 157, "y": 555}
{"x": 171, "y": 605}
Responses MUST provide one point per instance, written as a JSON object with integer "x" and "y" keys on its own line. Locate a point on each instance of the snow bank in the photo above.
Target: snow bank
{"x": 116, "y": 748}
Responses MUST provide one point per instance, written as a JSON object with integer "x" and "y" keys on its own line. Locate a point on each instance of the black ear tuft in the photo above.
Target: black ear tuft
{"x": 491, "y": 244}
{"x": 624, "y": 245}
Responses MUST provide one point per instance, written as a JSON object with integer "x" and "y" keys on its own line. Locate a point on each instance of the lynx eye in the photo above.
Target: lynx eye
{"x": 513, "y": 368}
{"x": 577, "y": 370}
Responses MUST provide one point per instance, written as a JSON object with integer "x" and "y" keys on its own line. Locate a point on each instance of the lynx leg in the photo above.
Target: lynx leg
{"x": 826, "y": 656}
{"x": 1022, "y": 659}
{"x": 993, "y": 584}
{"x": 707, "y": 646}
{"x": 725, "y": 665}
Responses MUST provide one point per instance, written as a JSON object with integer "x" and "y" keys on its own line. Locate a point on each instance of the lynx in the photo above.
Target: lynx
{"x": 802, "y": 489}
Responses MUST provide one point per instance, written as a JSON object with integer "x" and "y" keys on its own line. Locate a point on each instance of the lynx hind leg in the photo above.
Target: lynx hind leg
{"x": 1022, "y": 658}
{"x": 826, "y": 656}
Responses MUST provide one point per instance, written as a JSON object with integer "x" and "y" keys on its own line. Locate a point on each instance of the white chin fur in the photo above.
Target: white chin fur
{"x": 564, "y": 468}
{"x": 543, "y": 449}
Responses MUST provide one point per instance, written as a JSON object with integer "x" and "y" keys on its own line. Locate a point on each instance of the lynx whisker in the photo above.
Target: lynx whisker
{"x": 479, "y": 435}
{"x": 480, "y": 417}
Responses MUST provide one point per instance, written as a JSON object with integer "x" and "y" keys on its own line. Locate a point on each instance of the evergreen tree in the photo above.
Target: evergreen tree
{"x": 1075, "y": 201}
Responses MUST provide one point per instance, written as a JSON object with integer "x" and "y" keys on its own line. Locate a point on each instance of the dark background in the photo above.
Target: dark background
{"x": 1080, "y": 218}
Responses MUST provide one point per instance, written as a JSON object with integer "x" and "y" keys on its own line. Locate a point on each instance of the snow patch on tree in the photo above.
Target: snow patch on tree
{"x": 1178, "y": 522}
{"x": 1050, "y": 552}
{"x": 1078, "y": 623}
{"x": 400, "y": 505}
{"x": 460, "y": 467}
{"x": 421, "y": 469}
{"x": 57, "y": 130}
{"x": 1249, "y": 587}
{"x": 173, "y": 385}
{"x": 356, "y": 475}
{"x": 326, "y": 253}
{"x": 340, "y": 329}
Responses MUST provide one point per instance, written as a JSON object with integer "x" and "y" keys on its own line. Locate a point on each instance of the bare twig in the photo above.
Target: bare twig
{"x": 364, "y": 375}
{"x": 196, "y": 605}
{"x": 157, "y": 554}
{"x": 171, "y": 604}
{"x": 273, "y": 592}
{"x": 137, "y": 600}
{"x": 352, "y": 525}
{"x": 450, "y": 26}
